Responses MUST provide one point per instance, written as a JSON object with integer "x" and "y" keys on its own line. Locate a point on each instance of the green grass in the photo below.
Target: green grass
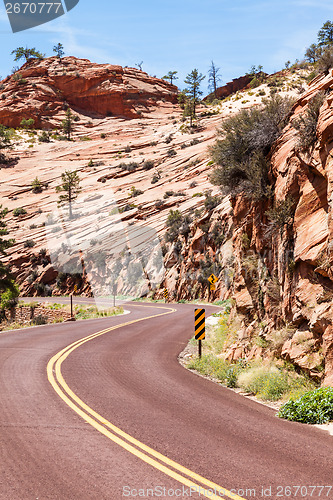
{"x": 210, "y": 365}
{"x": 276, "y": 381}
{"x": 91, "y": 312}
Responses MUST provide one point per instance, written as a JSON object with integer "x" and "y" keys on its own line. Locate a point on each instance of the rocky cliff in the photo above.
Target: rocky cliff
{"x": 41, "y": 90}
{"x": 277, "y": 271}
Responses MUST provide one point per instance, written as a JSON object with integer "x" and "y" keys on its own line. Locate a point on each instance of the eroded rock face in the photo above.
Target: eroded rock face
{"x": 43, "y": 89}
{"x": 280, "y": 277}
{"x": 291, "y": 281}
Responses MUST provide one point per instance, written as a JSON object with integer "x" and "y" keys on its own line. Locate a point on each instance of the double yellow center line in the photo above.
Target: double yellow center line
{"x": 115, "y": 434}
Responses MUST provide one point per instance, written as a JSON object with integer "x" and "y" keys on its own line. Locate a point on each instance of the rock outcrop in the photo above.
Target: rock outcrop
{"x": 42, "y": 89}
{"x": 279, "y": 275}
{"x": 231, "y": 87}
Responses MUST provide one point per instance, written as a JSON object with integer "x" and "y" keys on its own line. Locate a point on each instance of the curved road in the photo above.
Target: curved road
{"x": 115, "y": 416}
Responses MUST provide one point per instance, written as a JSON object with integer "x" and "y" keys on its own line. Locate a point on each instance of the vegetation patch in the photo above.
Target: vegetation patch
{"x": 314, "y": 407}
{"x": 269, "y": 381}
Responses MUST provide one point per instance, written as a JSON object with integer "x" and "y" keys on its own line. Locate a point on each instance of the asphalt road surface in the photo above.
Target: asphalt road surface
{"x": 116, "y": 416}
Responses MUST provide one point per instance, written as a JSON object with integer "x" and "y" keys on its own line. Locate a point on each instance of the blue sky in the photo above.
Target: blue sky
{"x": 178, "y": 35}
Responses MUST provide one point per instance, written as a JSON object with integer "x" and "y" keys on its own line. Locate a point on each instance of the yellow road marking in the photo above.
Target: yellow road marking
{"x": 95, "y": 420}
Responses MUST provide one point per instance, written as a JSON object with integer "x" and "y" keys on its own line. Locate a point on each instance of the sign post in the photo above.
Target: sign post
{"x": 199, "y": 326}
{"x": 212, "y": 280}
{"x": 166, "y": 294}
{"x": 71, "y": 305}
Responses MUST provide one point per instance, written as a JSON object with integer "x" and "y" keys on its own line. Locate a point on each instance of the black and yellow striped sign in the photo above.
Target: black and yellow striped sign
{"x": 199, "y": 324}
{"x": 166, "y": 294}
{"x": 75, "y": 288}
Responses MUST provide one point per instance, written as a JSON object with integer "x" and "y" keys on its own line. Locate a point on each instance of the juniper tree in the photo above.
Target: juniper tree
{"x": 70, "y": 187}
{"x": 193, "y": 92}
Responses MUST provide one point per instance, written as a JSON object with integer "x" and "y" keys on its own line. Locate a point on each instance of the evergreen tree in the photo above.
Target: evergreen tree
{"x": 70, "y": 186}
{"x": 59, "y": 50}
{"x": 26, "y": 53}
{"x": 67, "y": 123}
{"x": 214, "y": 78}
{"x": 193, "y": 92}
{"x": 325, "y": 34}
{"x": 171, "y": 75}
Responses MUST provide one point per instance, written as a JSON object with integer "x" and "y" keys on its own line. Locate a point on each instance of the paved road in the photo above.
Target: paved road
{"x": 116, "y": 415}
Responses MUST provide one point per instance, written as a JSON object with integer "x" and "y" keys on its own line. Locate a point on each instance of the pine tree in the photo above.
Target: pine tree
{"x": 59, "y": 50}
{"x": 193, "y": 92}
{"x": 67, "y": 123}
{"x": 26, "y": 53}
{"x": 171, "y": 75}
{"x": 325, "y": 34}
{"x": 70, "y": 185}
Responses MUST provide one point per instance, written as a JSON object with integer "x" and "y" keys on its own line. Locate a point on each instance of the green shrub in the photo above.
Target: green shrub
{"x": 211, "y": 202}
{"x": 311, "y": 76}
{"x": 103, "y": 135}
{"x": 9, "y": 297}
{"x": 19, "y": 211}
{"x": 177, "y": 224}
{"x": 36, "y": 186}
{"x": 267, "y": 382}
{"x": 29, "y": 123}
{"x": 306, "y": 125}
{"x": 247, "y": 139}
{"x": 39, "y": 320}
{"x": 194, "y": 142}
{"x": 44, "y": 137}
{"x": 280, "y": 215}
{"x": 135, "y": 192}
{"x": 148, "y": 164}
{"x": 231, "y": 376}
{"x": 167, "y": 194}
{"x": 171, "y": 153}
{"x": 314, "y": 407}
{"x": 19, "y": 79}
{"x": 128, "y": 149}
{"x": 29, "y": 243}
{"x": 130, "y": 167}
{"x": 156, "y": 178}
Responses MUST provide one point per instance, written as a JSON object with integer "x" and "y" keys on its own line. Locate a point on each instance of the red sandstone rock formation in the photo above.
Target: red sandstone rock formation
{"x": 231, "y": 87}
{"x": 43, "y": 89}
